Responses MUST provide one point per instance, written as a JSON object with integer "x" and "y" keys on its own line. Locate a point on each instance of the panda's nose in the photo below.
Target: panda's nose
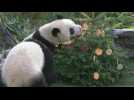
{"x": 80, "y": 27}
{"x": 78, "y": 30}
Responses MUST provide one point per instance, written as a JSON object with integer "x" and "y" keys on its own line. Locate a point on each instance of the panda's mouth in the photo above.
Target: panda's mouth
{"x": 75, "y": 37}
{"x": 65, "y": 44}
{"x": 68, "y": 42}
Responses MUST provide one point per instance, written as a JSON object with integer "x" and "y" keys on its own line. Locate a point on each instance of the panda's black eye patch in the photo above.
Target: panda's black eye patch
{"x": 71, "y": 31}
{"x": 55, "y": 32}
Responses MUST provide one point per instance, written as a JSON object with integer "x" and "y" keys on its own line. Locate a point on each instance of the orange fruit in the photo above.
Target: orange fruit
{"x": 98, "y": 52}
{"x": 96, "y": 76}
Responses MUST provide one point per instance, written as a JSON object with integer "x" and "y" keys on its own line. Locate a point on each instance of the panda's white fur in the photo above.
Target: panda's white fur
{"x": 64, "y": 25}
{"x": 26, "y": 60}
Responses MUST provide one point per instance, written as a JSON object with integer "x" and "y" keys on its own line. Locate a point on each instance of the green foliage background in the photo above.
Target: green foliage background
{"x": 72, "y": 64}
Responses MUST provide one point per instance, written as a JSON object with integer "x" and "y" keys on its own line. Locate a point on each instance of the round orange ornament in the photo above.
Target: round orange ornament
{"x": 96, "y": 76}
{"x": 98, "y": 52}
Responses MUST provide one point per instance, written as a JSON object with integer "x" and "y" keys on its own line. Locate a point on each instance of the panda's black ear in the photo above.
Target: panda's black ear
{"x": 55, "y": 32}
{"x": 59, "y": 16}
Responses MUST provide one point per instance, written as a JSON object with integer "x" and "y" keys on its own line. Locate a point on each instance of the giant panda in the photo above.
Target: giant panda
{"x": 28, "y": 64}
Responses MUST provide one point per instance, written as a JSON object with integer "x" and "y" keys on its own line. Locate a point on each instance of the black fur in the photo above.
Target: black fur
{"x": 49, "y": 45}
{"x": 55, "y": 32}
{"x": 39, "y": 81}
{"x": 48, "y": 50}
{"x": 72, "y": 31}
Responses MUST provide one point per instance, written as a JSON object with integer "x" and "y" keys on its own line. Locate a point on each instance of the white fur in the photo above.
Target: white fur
{"x": 23, "y": 63}
{"x": 64, "y": 26}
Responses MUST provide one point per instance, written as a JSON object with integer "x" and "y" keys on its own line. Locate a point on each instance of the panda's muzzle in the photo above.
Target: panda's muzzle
{"x": 78, "y": 31}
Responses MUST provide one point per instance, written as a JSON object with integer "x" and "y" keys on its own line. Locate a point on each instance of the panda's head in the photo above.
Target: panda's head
{"x": 60, "y": 31}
